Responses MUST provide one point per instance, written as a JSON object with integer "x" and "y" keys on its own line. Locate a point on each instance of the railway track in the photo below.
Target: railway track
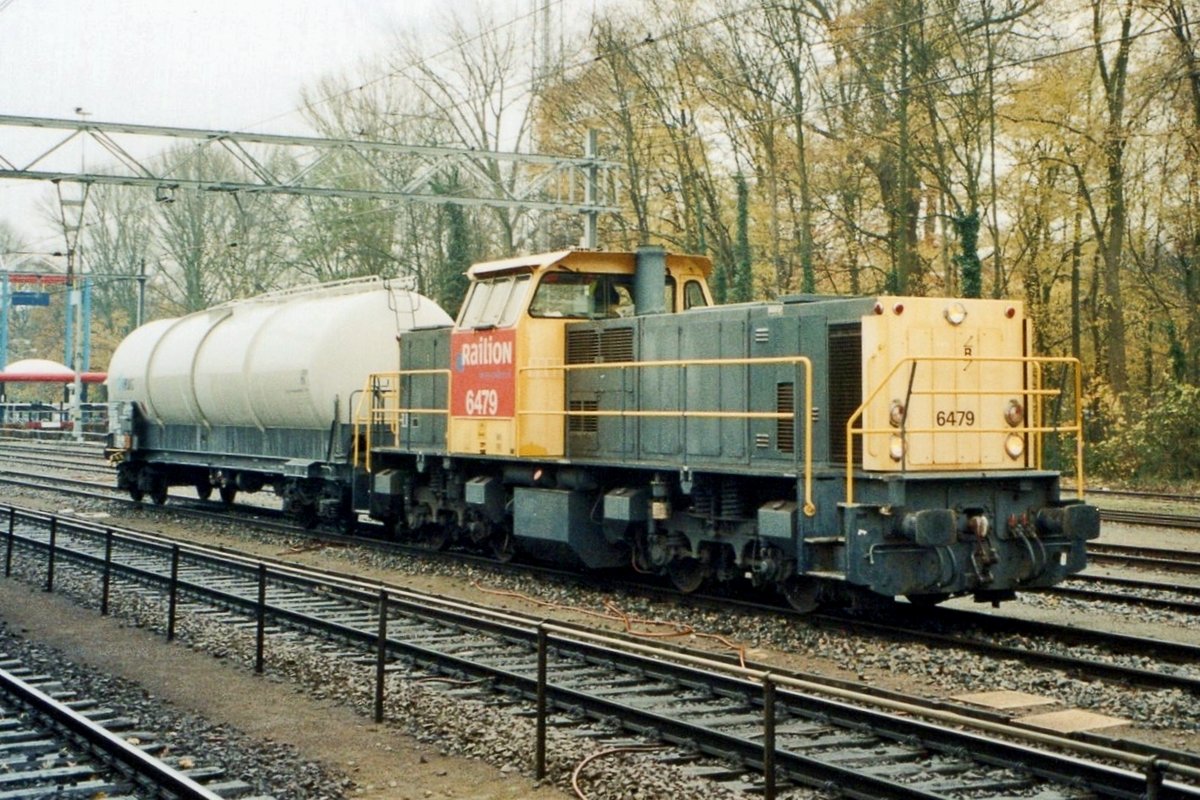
{"x": 1154, "y": 519}
{"x": 90, "y": 457}
{"x": 1130, "y": 591}
{"x": 964, "y": 622}
{"x": 1157, "y": 558}
{"x": 1174, "y": 497}
{"x": 1028, "y": 631}
{"x": 1069, "y": 648}
{"x": 56, "y": 745}
{"x": 83, "y": 450}
{"x": 786, "y": 730}
{"x": 100, "y": 470}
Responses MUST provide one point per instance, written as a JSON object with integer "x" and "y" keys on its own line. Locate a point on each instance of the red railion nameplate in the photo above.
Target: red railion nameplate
{"x": 483, "y": 373}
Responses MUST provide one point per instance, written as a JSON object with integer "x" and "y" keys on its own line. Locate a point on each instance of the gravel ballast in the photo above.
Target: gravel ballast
{"x": 440, "y": 725}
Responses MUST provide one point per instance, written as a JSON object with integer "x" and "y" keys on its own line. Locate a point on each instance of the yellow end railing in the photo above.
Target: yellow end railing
{"x": 382, "y": 405}
{"x": 1033, "y": 430}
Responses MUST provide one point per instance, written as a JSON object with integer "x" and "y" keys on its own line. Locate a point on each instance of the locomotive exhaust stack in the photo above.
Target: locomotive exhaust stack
{"x": 650, "y": 280}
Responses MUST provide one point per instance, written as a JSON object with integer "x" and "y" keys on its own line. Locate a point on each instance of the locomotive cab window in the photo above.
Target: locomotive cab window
{"x": 582, "y": 295}
{"x": 495, "y": 303}
{"x": 693, "y": 295}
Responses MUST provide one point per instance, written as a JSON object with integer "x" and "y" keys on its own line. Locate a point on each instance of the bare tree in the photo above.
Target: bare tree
{"x": 482, "y": 86}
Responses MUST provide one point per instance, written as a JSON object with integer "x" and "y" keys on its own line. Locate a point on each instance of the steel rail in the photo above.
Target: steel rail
{"x": 1133, "y": 555}
{"x": 1151, "y": 518}
{"x": 1181, "y": 652}
{"x": 122, "y": 756}
{"x": 1133, "y": 583}
{"x": 1120, "y": 598}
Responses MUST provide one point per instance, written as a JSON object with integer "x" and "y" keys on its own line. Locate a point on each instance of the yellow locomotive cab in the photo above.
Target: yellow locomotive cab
{"x": 513, "y": 323}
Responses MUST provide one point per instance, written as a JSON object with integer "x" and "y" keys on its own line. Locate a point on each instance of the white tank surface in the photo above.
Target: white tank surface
{"x": 289, "y": 359}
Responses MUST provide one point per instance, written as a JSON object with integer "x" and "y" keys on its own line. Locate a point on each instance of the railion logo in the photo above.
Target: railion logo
{"x": 484, "y": 352}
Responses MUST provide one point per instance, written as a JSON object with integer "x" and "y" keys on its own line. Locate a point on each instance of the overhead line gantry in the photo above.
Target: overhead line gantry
{"x": 585, "y": 185}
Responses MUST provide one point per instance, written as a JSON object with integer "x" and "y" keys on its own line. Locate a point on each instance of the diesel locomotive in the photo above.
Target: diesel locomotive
{"x": 596, "y": 409}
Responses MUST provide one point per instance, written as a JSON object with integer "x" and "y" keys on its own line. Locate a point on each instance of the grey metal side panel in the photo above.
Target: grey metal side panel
{"x": 711, "y": 388}
{"x": 554, "y": 524}
{"x": 752, "y": 330}
{"x": 197, "y": 444}
{"x": 659, "y": 389}
{"x": 420, "y": 350}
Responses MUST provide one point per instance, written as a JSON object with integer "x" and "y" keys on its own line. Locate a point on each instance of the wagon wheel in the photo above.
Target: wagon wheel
{"x": 802, "y": 593}
{"x": 158, "y": 493}
{"x": 204, "y": 490}
{"x": 136, "y": 494}
{"x": 307, "y": 516}
{"x": 927, "y": 600}
{"x": 228, "y": 493}
{"x": 687, "y": 574}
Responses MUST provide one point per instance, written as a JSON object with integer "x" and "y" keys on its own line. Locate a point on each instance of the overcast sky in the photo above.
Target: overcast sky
{"x": 227, "y": 64}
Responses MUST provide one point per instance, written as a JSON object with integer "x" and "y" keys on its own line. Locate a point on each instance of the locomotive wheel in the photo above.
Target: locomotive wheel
{"x": 803, "y": 594}
{"x": 687, "y": 574}
{"x": 435, "y": 537}
{"x": 204, "y": 490}
{"x": 502, "y": 548}
{"x": 228, "y": 493}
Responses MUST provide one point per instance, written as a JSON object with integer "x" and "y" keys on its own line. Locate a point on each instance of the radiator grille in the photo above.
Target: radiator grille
{"x": 582, "y": 424}
{"x": 616, "y": 344}
{"x": 785, "y": 429}
{"x": 583, "y": 346}
{"x": 592, "y": 345}
{"x": 845, "y": 387}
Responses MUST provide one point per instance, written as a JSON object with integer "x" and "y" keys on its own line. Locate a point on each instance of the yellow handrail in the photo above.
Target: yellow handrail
{"x": 810, "y": 508}
{"x": 1036, "y": 428}
{"x": 385, "y": 387}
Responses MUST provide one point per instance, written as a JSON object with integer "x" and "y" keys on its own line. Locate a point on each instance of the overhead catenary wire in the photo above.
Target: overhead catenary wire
{"x": 397, "y": 72}
{"x": 790, "y": 112}
{"x": 651, "y": 40}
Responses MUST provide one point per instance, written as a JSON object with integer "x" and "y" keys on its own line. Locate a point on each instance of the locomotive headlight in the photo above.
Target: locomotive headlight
{"x": 896, "y": 450}
{"x": 896, "y": 414}
{"x": 1014, "y": 413}
{"x": 955, "y": 313}
{"x": 1014, "y": 445}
